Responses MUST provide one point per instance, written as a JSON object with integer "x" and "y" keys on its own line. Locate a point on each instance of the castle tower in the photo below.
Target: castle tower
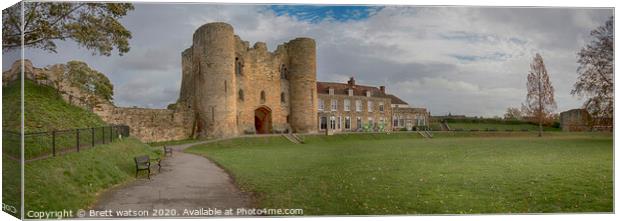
{"x": 187, "y": 77}
{"x": 213, "y": 54}
{"x": 302, "y": 77}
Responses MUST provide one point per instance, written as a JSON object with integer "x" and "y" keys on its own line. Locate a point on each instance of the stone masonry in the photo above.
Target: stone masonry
{"x": 236, "y": 89}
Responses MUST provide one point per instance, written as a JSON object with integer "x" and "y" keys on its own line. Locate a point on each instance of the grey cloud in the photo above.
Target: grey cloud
{"x": 470, "y": 60}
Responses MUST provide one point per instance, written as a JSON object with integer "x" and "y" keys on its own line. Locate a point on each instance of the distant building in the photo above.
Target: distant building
{"x": 575, "y": 120}
{"x": 353, "y": 107}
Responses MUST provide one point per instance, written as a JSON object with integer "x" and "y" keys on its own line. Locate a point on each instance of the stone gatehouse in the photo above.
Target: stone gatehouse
{"x": 237, "y": 89}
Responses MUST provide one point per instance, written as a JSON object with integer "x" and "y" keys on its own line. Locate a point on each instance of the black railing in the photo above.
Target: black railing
{"x": 39, "y": 145}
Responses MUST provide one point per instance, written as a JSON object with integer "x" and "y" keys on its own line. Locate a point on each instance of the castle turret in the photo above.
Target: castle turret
{"x": 302, "y": 77}
{"x": 214, "y": 72}
{"x": 187, "y": 77}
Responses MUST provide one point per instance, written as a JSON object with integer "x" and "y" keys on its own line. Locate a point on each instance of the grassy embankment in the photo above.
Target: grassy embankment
{"x": 45, "y": 110}
{"x": 404, "y": 174}
{"x": 70, "y": 181}
{"x": 74, "y": 180}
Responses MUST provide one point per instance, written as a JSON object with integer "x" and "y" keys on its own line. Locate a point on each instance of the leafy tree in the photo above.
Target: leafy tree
{"x": 540, "y": 100}
{"x": 513, "y": 113}
{"x": 596, "y": 72}
{"x": 94, "y": 26}
{"x": 89, "y": 81}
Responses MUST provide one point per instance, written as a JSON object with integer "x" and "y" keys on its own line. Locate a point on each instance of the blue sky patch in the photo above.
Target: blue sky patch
{"x": 316, "y": 14}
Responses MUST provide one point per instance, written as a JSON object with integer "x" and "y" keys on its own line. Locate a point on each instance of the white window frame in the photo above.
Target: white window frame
{"x": 358, "y": 105}
{"x": 321, "y": 118}
{"x": 381, "y": 107}
{"x": 334, "y": 105}
{"x": 394, "y": 121}
{"x": 347, "y": 105}
{"x": 369, "y": 106}
{"x": 347, "y": 123}
{"x": 321, "y": 104}
{"x": 339, "y": 122}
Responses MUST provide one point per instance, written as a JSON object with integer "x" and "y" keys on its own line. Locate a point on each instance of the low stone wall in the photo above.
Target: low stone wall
{"x": 151, "y": 125}
{"x": 575, "y": 120}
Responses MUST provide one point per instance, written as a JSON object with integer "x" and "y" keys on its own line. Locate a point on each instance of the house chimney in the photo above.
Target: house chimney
{"x": 351, "y": 81}
{"x": 382, "y": 88}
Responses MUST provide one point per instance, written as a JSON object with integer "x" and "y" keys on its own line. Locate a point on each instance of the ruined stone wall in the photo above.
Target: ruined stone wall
{"x": 150, "y": 125}
{"x": 575, "y": 120}
{"x": 52, "y": 76}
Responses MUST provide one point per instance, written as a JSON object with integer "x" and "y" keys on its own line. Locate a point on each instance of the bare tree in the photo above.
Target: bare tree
{"x": 596, "y": 72}
{"x": 539, "y": 102}
{"x": 513, "y": 113}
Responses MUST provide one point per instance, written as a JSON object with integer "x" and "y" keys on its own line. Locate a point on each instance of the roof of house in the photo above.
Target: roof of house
{"x": 358, "y": 90}
{"x": 396, "y": 100}
{"x": 342, "y": 88}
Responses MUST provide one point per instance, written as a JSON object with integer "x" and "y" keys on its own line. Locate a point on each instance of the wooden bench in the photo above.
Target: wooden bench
{"x": 144, "y": 163}
{"x": 167, "y": 150}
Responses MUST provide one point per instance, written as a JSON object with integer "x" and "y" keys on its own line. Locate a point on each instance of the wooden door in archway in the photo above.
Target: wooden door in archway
{"x": 262, "y": 120}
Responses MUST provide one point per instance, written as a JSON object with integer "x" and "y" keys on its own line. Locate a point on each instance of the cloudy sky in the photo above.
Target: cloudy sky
{"x": 463, "y": 60}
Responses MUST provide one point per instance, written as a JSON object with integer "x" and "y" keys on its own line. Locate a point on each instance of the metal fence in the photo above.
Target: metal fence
{"x": 39, "y": 145}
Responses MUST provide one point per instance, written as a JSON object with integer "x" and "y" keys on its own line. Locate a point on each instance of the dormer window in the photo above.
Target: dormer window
{"x": 350, "y": 91}
{"x": 368, "y": 93}
{"x": 331, "y": 91}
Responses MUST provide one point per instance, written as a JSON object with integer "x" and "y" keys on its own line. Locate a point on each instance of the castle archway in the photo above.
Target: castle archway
{"x": 262, "y": 120}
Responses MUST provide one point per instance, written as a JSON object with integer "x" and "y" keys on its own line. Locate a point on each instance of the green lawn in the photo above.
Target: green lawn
{"x": 11, "y": 185}
{"x": 72, "y": 181}
{"x": 405, "y": 174}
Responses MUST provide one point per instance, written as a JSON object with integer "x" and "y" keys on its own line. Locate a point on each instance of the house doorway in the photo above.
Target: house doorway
{"x": 262, "y": 120}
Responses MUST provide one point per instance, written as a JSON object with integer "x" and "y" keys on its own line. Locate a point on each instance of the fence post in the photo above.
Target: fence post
{"x": 111, "y": 134}
{"x": 92, "y": 136}
{"x": 53, "y": 143}
{"x": 77, "y": 132}
{"x": 103, "y": 135}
